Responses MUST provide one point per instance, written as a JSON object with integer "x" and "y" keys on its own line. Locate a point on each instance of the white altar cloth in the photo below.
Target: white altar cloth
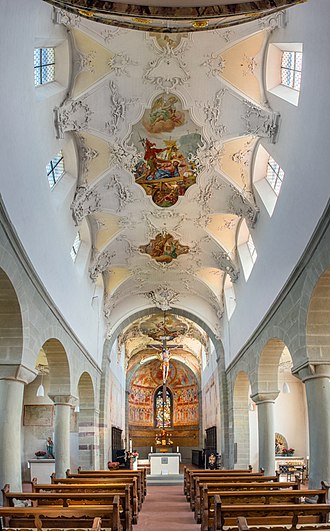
{"x": 162, "y": 464}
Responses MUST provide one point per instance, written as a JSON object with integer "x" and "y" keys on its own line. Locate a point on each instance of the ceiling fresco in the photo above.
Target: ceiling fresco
{"x": 169, "y": 140}
{"x": 164, "y": 16}
{"x": 166, "y": 127}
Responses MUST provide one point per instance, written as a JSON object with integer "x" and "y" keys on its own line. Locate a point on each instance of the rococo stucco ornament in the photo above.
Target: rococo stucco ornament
{"x": 86, "y": 201}
{"x": 225, "y": 263}
{"x": 169, "y": 70}
{"x": 162, "y": 297}
{"x": 72, "y": 115}
{"x": 101, "y": 262}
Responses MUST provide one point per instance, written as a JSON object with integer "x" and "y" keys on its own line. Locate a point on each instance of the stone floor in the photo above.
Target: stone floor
{"x": 166, "y": 509}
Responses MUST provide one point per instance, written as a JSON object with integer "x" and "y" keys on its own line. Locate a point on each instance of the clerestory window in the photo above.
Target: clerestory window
{"x": 274, "y": 175}
{"x": 252, "y": 248}
{"x": 44, "y": 66}
{"x": 291, "y": 67}
{"x": 55, "y": 169}
{"x": 75, "y": 247}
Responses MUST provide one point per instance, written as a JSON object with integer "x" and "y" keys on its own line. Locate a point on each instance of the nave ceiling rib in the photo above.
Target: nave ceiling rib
{"x": 166, "y": 159}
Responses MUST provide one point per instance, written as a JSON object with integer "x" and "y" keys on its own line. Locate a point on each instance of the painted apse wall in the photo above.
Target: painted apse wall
{"x": 184, "y": 388}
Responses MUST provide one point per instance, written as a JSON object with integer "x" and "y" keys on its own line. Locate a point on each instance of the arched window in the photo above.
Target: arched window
{"x": 163, "y": 410}
{"x": 267, "y": 178}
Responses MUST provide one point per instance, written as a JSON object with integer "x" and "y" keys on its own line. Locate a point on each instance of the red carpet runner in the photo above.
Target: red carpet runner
{"x": 166, "y": 509}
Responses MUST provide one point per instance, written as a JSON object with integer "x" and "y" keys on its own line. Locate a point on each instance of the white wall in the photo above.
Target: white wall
{"x": 41, "y": 217}
{"x": 302, "y": 150}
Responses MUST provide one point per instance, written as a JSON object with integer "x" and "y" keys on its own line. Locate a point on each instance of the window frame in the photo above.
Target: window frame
{"x": 159, "y": 391}
{"x": 52, "y": 172}
{"x": 294, "y": 70}
{"x": 41, "y": 67}
{"x": 277, "y": 173}
{"x": 75, "y": 247}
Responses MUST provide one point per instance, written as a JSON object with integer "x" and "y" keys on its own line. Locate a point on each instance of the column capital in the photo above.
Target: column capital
{"x": 312, "y": 370}
{"x": 64, "y": 400}
{"x": 264, "y": 397}
{"x": 17, "y": 372}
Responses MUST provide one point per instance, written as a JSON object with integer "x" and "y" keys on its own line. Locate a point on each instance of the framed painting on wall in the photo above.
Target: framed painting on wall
{"x": 38, "y": 415}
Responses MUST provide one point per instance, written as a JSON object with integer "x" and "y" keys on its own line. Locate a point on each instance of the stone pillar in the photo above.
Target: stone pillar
{"x": 266, "y": 428}
{"x": 88, "y": 438}
{"x": 63, "y": 404}
{"x": 13, "y": 379}
{"x": 317, "y": 381}
{"x": 11, "y": 406}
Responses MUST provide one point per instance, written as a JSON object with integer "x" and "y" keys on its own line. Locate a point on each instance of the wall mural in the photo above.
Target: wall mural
{"x": 182, "y": 384}
{"x": 168, "y": 138}
{"x": 164, "y": 248}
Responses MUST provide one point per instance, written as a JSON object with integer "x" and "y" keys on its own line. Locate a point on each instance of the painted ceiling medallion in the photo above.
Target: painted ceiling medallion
{"x": 169, "y": 140}
{"x": 156, "y": 327}
{"x": 164, "y": 248}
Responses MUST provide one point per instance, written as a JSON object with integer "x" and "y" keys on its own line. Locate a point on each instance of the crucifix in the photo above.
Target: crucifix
{"x": 165, "y": 353}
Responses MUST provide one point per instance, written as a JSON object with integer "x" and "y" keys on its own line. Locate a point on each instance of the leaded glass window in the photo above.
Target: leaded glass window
{"x": 252, "y": 248}
{"x": 291, "y": 67}
{"x": 44, "y": 65}
{"x": 163, "y": 410}
{"x": 274, "y": 175}
{"x": 55, "y": 169}
{"x": 75, "y": 247}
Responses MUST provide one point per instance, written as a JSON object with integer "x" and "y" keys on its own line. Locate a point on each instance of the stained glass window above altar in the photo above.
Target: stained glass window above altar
{"x": 163, "y": 410}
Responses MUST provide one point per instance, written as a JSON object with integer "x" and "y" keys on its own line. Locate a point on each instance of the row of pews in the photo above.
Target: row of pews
{"x": 92, "y": 499}
{"x": 244, "y": 500}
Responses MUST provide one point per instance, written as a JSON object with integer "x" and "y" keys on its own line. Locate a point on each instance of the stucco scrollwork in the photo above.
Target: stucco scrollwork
{"x": 225, "y": 263}
{"x": 215, "y": 64}
{"x": 101, "y": 262}
{"x": 118, "y": 109}
{"x": 86, "y": 201}
{"x": 260, "y": 122}
{"x": 168, "y": 70}
{"x": 73, "y": 115}
{"x": 162, "y": 297}
{"x": 122, "y": 192}
{"x": 241, "y": 206}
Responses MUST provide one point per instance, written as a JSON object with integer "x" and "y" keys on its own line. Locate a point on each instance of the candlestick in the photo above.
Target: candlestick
{"x": 130, "y": 445}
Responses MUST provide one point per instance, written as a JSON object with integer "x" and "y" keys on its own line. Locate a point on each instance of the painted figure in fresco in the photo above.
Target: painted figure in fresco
{"x": 164, "y": 248}
{"x": 163, "y": 116}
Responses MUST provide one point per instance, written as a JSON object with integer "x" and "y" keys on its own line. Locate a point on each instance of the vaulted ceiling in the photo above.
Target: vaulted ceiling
{"x": 165, "y": 127}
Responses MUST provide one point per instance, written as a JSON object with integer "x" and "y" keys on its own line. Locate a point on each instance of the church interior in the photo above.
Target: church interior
{"x": 164, "y": 263}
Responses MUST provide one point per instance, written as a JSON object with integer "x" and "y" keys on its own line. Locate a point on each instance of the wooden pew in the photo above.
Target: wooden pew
{"x": 243, "y": 526}
{"x": 73, "y": 498}
{"x": 253, "y": 497}
{"x": 188, "y": 471}
{"x": 261, "y": 514}
{"x": 61, "y": 517}
{"x": 95, "y": 485}
{"x": 117, "y": 473}
{"x": 109, "y": 474}
{"x": 96, "y": 526}
{"x": 214, "y": 484}
{"x": 233, "y": 478}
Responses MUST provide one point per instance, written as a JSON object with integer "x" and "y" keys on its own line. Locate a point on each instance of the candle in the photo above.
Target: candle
{"x": 177, "y": 449}
{"x": 130, "y": 445}
{"x": 151, "y": 449}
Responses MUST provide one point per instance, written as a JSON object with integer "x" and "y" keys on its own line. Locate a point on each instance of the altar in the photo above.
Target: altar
{"x": 162, "y": 464}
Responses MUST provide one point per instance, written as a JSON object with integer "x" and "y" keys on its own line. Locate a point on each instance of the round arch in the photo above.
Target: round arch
{"x": 318, "y": 320}
{"x": 59, "y": 369}
{"x": 11, "y": 326}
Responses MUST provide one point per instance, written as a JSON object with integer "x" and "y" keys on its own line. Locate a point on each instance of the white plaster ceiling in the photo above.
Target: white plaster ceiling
{"x": 211, "y": 85}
